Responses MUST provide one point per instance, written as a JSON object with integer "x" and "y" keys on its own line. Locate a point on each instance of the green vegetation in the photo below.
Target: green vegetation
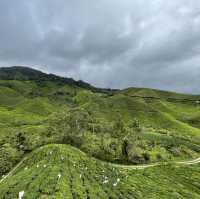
{"x": 60, "y": 171}
{"x": 131, "y": 126}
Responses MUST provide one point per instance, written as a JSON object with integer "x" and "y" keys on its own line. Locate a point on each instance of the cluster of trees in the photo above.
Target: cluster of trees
{"x": 114, "y": 141}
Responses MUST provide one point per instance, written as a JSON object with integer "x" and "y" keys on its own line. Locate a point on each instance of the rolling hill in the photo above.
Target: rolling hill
{"x": 60, "y": 171}
{"x": 42, "y": 113}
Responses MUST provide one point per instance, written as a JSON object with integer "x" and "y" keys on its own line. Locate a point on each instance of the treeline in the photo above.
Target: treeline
{"x": 111, "y": 141}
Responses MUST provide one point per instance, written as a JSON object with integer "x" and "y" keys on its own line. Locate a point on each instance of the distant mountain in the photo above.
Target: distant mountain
{"x": 25, "y": 73}
{"x": 21, "y": 73}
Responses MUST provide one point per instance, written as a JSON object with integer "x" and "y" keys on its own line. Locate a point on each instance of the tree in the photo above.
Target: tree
{"x": 135, "y": 124}
{"x": 136, "y": 155}
{"x": 20, "y": 140}
{"x": 125, "y": 148}
{"x": 118, "y": 127}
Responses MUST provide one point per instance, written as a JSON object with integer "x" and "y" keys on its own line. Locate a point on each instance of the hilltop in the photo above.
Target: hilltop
{"x": 42, "y": 112}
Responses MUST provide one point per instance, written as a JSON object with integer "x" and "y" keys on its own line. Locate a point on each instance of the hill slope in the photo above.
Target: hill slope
{"x": 60, "y": 171}
{"x": 25, "y": 73}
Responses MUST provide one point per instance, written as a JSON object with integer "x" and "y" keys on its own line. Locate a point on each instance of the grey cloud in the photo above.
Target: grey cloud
{"x": 108, "y": 43}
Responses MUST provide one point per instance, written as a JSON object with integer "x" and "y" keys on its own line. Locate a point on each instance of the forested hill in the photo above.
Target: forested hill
{"x": 25, "y": 73}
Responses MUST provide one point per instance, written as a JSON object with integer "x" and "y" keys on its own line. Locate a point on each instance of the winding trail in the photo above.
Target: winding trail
{"x": 187, "y": 162}
{"x": 195, "y": 161}
{"x": 13, "y": 170}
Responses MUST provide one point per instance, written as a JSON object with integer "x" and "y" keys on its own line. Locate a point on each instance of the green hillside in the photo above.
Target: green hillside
{"x": 60, "y": 171}
{"x": 133, "y": 126}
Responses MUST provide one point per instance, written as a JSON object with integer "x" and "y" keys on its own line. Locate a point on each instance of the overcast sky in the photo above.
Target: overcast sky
{"x": 108, "y": 43}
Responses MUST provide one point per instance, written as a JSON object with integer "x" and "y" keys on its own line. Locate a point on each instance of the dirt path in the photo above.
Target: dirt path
{"x": 188, "y": 162}
{"x": 13, "y": 170}
{"x": 195, "y": 161}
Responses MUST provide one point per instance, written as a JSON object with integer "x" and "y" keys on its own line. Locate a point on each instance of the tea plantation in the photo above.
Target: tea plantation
{"x": 47, "y": 122}
{"x": 60, "y": 171}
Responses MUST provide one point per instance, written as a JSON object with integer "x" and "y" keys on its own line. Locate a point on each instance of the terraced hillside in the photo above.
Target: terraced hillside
{"x": 130, "y": 127}
{"x": 60, "y": 171}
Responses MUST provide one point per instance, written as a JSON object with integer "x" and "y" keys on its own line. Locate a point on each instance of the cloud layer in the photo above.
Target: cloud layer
{"x": 107, "y": 43}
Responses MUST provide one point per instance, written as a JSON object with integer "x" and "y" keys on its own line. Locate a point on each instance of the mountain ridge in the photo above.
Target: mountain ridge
{"x": 25, "y": 73}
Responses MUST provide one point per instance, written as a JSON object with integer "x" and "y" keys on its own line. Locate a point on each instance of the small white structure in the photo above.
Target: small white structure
{"x": 37, "y": 166}
{"x": 21, "y": 194}
{"x": 59, "y": 176}
{"x": 80, "y": 175}
{"x": 105, "y": 181}
{"x": 45, "y": 166}
{"x": 25, "y": 168}
{"x": 50, "y": 152}
{"x": 115, "y": 184}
